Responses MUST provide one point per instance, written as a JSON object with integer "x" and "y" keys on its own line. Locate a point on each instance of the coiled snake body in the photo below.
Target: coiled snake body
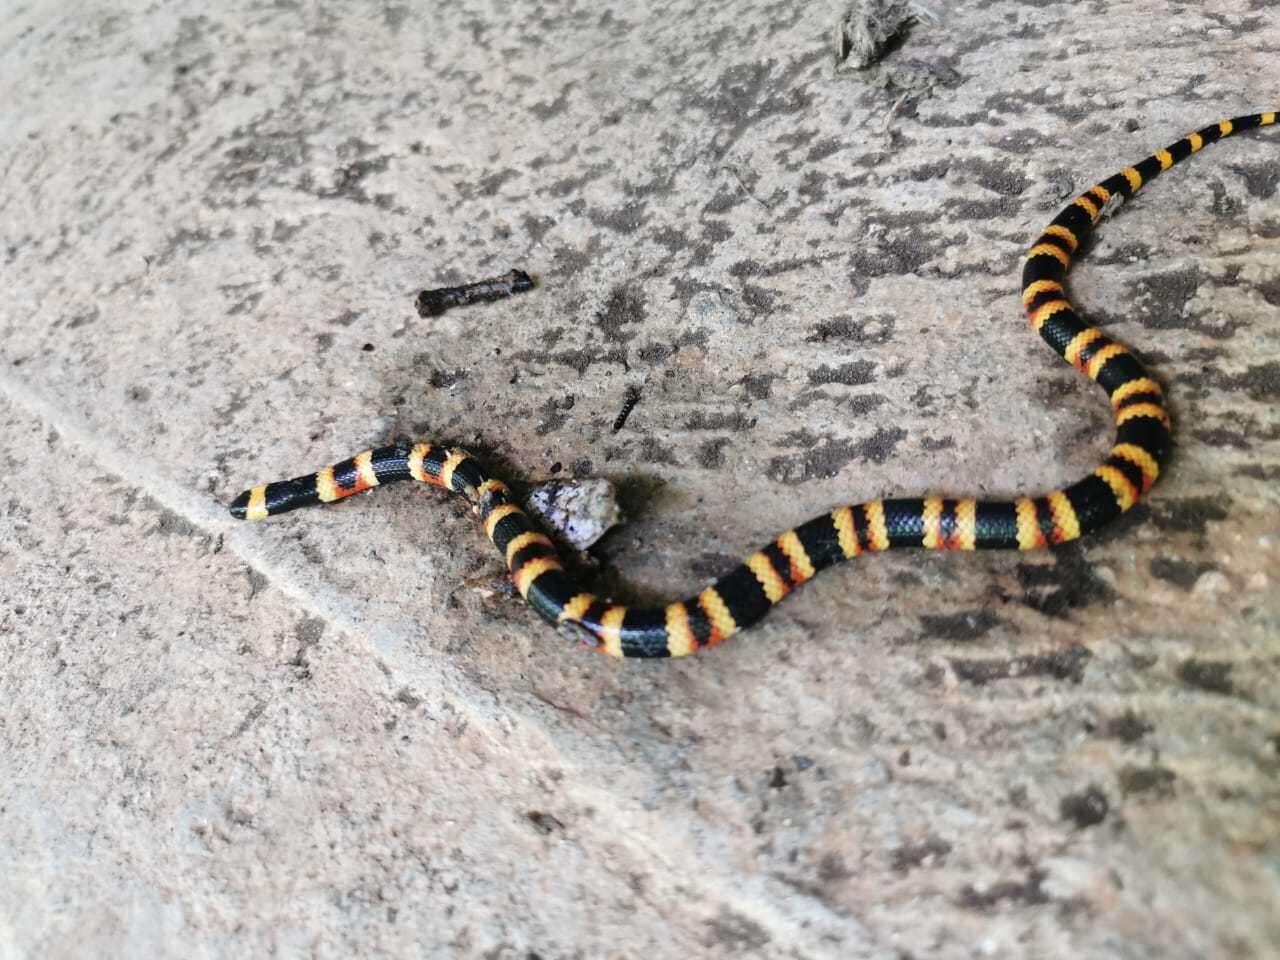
{"x": 744, "y": 595}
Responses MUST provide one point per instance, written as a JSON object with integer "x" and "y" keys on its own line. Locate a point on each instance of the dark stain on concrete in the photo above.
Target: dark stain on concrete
{"x": 545, "y": 111}
{"x": 1270, "y": 291}
{"x": 856, "y": 373}
{"x": 1260, "y": 179}
{"x": 1162, "y": 298}
{"x": 625, "y": 307}
{"x": 443, "y": 379}
{"x": 824, "y": 148}
{"x": 258, "y": 157}
{"x": 910, "y": 856}
{"x": 653, "y": 451}
{"x": 894, "y": 254}
{"x": 961, "y": 627}
{"x": 170, "y": 524}
{"x": 1182, "y": 573}
{"x": 874, "y": 329}
{"x": 348, "y": 181}
{"x": 1188, "y": 514}
{"x": 1064, "y": 584}
{"x": 999, "y": 178}
{"x": 857, "y": 404}
{"x": 346, "y": 318}
{"x": 537, "y": 227}
{"x": 553, "y": 417}
{"x": 1066, "y": 664}
{"x": 820, "y": 462}
{"x": 626, "y": 219}
{"x": 1088, "y": 808}
{"x": 1154, "y": 780}
{"x": 1015, "y": 103}
{"x": 980, "y": 210}
{"x": 569, "y": 185}
{"x": 745, "y": 94}
{"x": 933, "y": 170}
{"x": 759, "y": 386}
{"x": 759, "y": 299}
{"x": 579, "y": 360}
{"x": 710, "y": 455}
{"x": 307, "y": 632}
{"x": 1212, "y": 676}
{"x": 711, "y": 420}
{"x": 735, "y": 933}
{"x": 1028, "y": 891}
{"x": 724, "y": 200}
{"x": 1127, "y": 727}
{"x": 1260, "y": 382}
{"x": 1223, "y": 439}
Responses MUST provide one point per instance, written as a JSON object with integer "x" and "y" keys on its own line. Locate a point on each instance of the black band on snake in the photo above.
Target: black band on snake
{"x": 745, "y": 594}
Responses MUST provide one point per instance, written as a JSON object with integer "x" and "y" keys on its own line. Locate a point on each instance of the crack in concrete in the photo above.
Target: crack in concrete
{"x": 640, "y": 834}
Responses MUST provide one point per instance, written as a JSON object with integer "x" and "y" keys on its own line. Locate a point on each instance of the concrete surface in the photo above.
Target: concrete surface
{"x": 322, "y": 736}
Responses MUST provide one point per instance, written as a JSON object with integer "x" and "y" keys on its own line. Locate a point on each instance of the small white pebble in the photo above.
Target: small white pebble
{"x": 1258, "y": 582}
{"x": 580, "y": 511}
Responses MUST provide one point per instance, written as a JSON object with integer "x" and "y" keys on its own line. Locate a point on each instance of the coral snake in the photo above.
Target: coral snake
{"x": 744, "y": 595}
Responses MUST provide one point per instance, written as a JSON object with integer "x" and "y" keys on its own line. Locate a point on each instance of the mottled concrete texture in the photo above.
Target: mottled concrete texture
{"x": 330, "y": 735}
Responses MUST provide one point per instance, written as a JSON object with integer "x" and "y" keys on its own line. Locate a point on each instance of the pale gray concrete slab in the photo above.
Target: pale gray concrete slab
{"x": 327, "y": 735}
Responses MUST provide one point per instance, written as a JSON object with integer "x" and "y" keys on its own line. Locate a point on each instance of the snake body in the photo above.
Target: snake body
{"x": 745, "y": 594}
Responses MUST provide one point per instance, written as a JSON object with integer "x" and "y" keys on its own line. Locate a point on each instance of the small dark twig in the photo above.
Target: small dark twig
{"x": 629, "y": 402}
{"x": 432, "y": 303}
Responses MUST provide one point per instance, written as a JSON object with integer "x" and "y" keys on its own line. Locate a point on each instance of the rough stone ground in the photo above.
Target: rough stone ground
{"x": 319, "y": 736}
